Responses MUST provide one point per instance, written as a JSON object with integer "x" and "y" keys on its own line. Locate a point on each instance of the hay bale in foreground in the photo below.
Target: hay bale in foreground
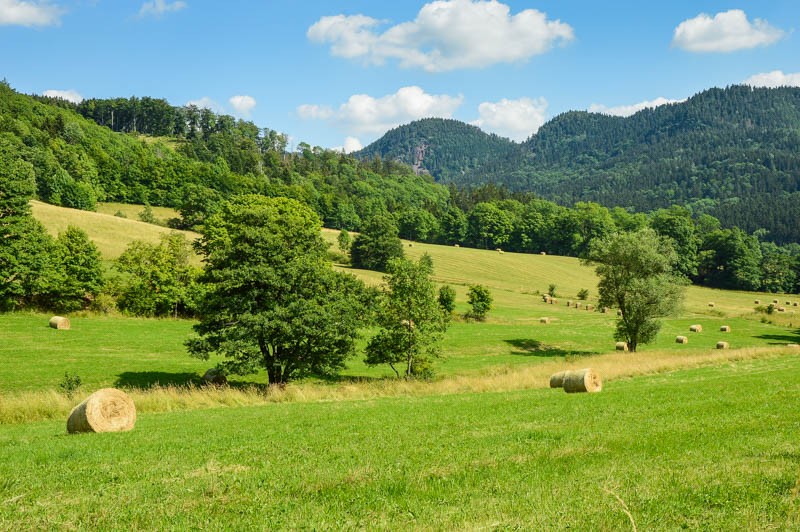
{"x": 723, "y": 345}
{"x": 60, "y": 323}
{"x": 106, "y": 410}
{"x": 621, "y": 346}
{"x": 695, "y": 328}
{"x": 557, "y": 379}
{"x": 725, "y": 328}
{"x": 582, "y": 380}
{"x": 215, "y": 376}
{"x": 681, "y": 340}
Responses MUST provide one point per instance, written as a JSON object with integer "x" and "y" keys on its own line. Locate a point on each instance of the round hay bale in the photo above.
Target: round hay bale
{"x": 622, "y": 346}
{"x": 681, "y": 340}
{"x": 619, "y": 312}
{"x": 106, "y": 410}
{"x": 605, "y": 310}
{"x": 546, "y": 298}
{"x": 577, "y": 305}
{"x": 543, "y": 253}
{"x": 775, "y": 301}
{"x": 781, "y": 309}
{"x": 215, "y": 376}
{"x": 544, "y": 320}
{"x": 788, "y": 303}
{"x": 793, "y": 346}
{"x": 557, "y": 379}
{"x": 569, "y": 303}
{"x": 725, "y": 328}
{"x": 723, "y": 345}
{"x": 794, "y": 304}
{"x": 456, "y": 246}
{"x": 582, "y": 380}
{"x": 711, "y": 305}
{"x": 590, "y": 307}
{"x": 60, "y": 323}
{"x": 553, "y": 300}
{"x": 696, "y": 328}
{"x": 757, "y": 301}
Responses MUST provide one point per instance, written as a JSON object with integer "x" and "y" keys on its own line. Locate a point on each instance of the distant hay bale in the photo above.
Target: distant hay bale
{"x": 499, "y": 250}
{"x": 546, "y": 298}
{"x": 711, "y": 304}
{"x": 725, "y": 328}
{"x": 621, "y": 346}
{"x": 577, "y": 305}
{"x": 681, "y": 340}
{"x": 456, "y": 246}
{"x": 553, "y": 300}
{"x": 569, "y": 303}
{"x": 557, "y": 379}
{"x": 781, "y": 309}
{"x": 788, "y": 303}
{"x": 696, "y": 328}
{"x": 723, "y": 345}
{"x": 589, "y": 307}
{"x": 794, "y": 304}
{"x": 544, "y": 320}
{"x": 582, "y": 380}
{"x": 605, "y": 310}
{"x": 775, "y": 301}
{"x": 757, "y": 302}
{"x": 59, "y": 323}
{"x": 106, "y": 410}
{"x": 619, "y": 312}
{"x": 793, "y": 346}
{"x": 543, "y": 253}
{"x": 215, "y": 376}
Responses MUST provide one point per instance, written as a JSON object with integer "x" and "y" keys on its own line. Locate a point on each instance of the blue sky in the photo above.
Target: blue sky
{"x": 339, "y": 74}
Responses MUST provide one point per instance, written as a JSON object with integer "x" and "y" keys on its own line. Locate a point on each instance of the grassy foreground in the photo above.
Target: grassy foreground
{"x": 709, "y": 448}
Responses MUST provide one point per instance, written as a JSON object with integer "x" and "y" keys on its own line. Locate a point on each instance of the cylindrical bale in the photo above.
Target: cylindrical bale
{"x": 793, "y": 346}
{"x": 553, "y": 301}
{"x": 59, "y": 322}
{"x": 619, "y": 312}
{"x": 106, "y": 410}
{"x": 590, "y": 307}
{"x": 711, "y": 304}
{"x": 543, "y": 253}
{"x": 622, "y": 346}
{"x": 582, "y": 380}
{"x": 544, "y": 320}
{"x": 723, "y": 345}
{"x": 569, "y": 303}
{"x": 725, "y": 328}
{"x": 681, "y": 340}
{"x": 604, "y": 310}
{"x": 696, "y": 328}
{"x": 781, "y": 309}
{"x": 557, "y": 379}
{"x": 775, "y": 301}
{"x": 215, "y": 376}
{"x": 757, "y": 301}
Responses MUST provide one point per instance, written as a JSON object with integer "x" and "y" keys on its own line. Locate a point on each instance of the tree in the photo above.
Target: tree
{"x": 377, "y": 245}
{"x": 343, "y": 240}
{"x": 636, "y": 276}
{"x": 480, "y": 299}
{"x": 447, "y": 300}
{"x": 272, "y": 300}
{"x": 677, "y": 224}
{"x": 411, "y": 320}
{"x": 82, "y": 270}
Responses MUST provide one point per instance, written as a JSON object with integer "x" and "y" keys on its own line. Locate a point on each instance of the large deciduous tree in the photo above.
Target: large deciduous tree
{"x": 272, "y": 300}
{"x": 411, "y": 320}
{"x": 377, "y": 244}
{"x": 636, "y": 272}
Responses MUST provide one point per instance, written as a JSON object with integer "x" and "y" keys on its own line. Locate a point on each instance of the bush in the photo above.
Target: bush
{"x": 69, "y": 384}
{"x": 480, "y": 299}
{"x": 447, "y": 300}
{"x": 583, "y": 294}
{"x": 551, "y": 290}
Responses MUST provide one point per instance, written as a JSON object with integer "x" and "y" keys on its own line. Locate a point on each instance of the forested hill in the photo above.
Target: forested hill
{"x": 446, "y": 149}
{"x": 733, "y": 153}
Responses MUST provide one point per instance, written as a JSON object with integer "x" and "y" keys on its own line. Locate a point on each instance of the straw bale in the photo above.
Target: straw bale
{"x": 543, "y": 253}
{"x": 622, "y": 346}
{"x": 619, "y": 312}
{"x": 544, "y": 320}
{"x": 681, "y": 340}
{"x": 557, "y": 379}
{"x": 696, "y": 328}
{"x": 775, "y": 301}
{"x": 723, "y": 345}
{"x": 757, "y": 301}
{"x": 589, "y": 307}
{"x": 725, "y": 328}
{"x": 582, "y": 380}
{"x": 781, "y": 309}
{"x": 553, "y": 300}
{"x": 456, "y": 246}
{"x": 215, "y": 376}
{"x": 569, "y": 303}
{"x": 711, "y": 304}
{"x": 106, "y": 410}
{"x": 605, "y": 310}
{"x": 793, "y": 346}
{"x": 60, "y": 323}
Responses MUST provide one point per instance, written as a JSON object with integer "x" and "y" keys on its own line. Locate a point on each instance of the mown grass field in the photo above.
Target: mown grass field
{"x": 682, "y": 436}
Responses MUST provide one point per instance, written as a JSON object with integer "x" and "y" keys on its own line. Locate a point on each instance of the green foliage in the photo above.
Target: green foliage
{"x": 81, "y": 268}
{"x": 583, "y": 294}
{"x": 447, "y": 300}
{"x": 377, "y": 245}
{"x": 551, "y": 290}
{"x": 69, "y": 384}
{"x": 158, "y": 280}
{"x": 272, "y": 301}
{"x": 147, "y": 216}
{"x": 411, "y": 318}
{"x": 344, "y": 241}
{"x": 637, "y": 277}
{"x": 480, "y": 301}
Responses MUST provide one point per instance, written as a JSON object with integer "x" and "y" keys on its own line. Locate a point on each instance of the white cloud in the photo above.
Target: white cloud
{"x": 773, "y": 79}
{"x": 243, "y": 104}
{"x": 29, "y": 13}
{"x": 69, "y": 95}
{"x": 515, "y": 119}
{"x": 445, "y": 35}
{"x": 628, "y": 110}
{"x": 351, "y": 144}
{"x": 365, "y": 114}
{"x": 206, "y": 103}
{"x": 157, "y": 8}
{"x": 725, "y": 32}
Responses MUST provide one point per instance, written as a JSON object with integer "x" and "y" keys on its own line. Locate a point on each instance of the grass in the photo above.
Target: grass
{"x": 674, "y": 449}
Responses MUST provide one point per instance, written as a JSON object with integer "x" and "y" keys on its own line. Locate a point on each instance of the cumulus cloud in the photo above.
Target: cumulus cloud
{"x": 351, "y": 144}
{"x": 365, "y": 114}
{"x": 515, "y": 119}
{"x": 157, "y": 8}
{"x": 445, "y": 35}
{"x": 628, "y": 110}
{"x": 773, "y": 79}
{"x": 29, "y": 13}
{"x": 725, "y": 32}
{"x": 206, "y": 103}
{"x": 243, "y": 104}
{"x": 69, "y": 95}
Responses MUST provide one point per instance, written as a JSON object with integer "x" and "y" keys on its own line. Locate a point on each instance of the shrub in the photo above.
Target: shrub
{"x": 583, "y": 294}
{"x": 69, "y": 384}
{"x": 551, "y": 290}
{"x": 480, "y": 299}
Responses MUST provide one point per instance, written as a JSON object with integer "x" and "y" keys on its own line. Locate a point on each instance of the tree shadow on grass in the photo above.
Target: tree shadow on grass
{"x": 151, "y": 379}
{"x": 780, "y": 339}
{"x": 534, "y": 348}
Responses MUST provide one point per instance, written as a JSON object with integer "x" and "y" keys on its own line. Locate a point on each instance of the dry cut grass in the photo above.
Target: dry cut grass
{"x": 25, "y": 407}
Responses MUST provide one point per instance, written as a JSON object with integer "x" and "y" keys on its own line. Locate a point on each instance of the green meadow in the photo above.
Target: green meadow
{"x": 682, "y": 436}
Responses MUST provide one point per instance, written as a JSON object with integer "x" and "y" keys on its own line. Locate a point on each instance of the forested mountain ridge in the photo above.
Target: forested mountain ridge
{"x": 733, "y": 153}
{"x": 444, "y": 148}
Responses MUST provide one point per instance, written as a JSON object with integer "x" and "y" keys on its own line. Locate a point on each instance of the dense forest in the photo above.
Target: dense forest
{"x": 731, "y": 153}
{"x": 75, "y": 160}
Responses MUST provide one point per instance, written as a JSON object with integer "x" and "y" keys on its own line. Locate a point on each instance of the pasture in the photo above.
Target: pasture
{"x": 682, "y": 436}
